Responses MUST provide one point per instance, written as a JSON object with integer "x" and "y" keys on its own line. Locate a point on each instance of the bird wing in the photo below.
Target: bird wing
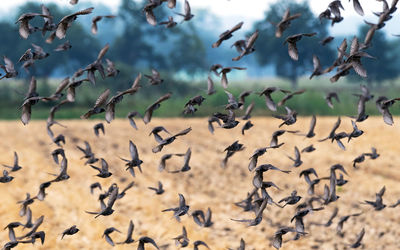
{"x": 133, "y": 150}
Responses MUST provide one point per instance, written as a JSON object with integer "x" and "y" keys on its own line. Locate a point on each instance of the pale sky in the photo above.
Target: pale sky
{"x": 238, "y": 10}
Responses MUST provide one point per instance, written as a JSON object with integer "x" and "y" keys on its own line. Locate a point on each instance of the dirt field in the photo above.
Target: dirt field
{"x": 205, "y": 185}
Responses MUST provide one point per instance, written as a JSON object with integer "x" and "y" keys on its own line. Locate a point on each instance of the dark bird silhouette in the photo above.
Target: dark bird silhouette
{"x": 34, "y": 228}
{"x": 110, "y": 105}
{"x": 63, "y": 47}
{"x": 96, "y": 66}
{"x": 395, "y": 204}
{"x": 373, "y": 155}
{"x": 107, "y": 236}
{"x": 277, "y": 240}
{"x": 317, "y": 68}
{"x": 170, "y": 23}
{"x": 16, "y": 166}
{"x": 360, "y": 236}
{"x": 181, "y": 210}
{"x": 123, "y": 193}
{"x": 249, "y": 109}
{"x": 308, "y": 149}
{"x": 326, "y": 40}
{"x": 97, "y": 108}
{"x": 170, "y": 139}
{"x": 210, "y": 86}
{"x": 247, "y": 126}
{"x": 94, "y": 186}
{"x": 333, "y": 131}
{"x": 342, "y": 220}
{"x": 70, "y": 231}
{"x": 291, "y": 200}
{"x": 143, "y": 240}
{"x": 230, "y": 151}
{"x": 198, "y": 243}
{"x": 182, "y": 240}
{"x": 201, "y": 219}
{"x": 185, "y": 166}
{"x": 25, "y": 29}
{"x": 358, "y": 159}
{"x": 150, "y": 109}
{"x": 8, "y": 68}
{"x": 292, "y": 47}
{"x": 63, "y": 175}
{"x": 42, "y": 190}
{"x": 129, "y": 238}
{"x": 383, "y": 104}
{"x": 130, "y": 117}
{"x": 268, "y": 99}
{"x": 211, "y": 120}
{"x": 297, "y": 158}
{"x": 88, "y": 154}
{"x": 103, "y": 171}
{"x": 135, "y": 161}
{"x": 188, "y": 14}
{"x": 248, "y": 47}
{"x": 97, "y": 19}
{"x": 254, "y": 158}
{"x": 97, "y": 127}
{"x": 284, "y": 23}
{"x": 224, "y": 71}
{"x": 307, "y": 173}
{"x": 155, "y": 132}
{"x": 358, "y": 8}
{"x": 329, "y": 97}
{"x": 189, "y": 106}
{"x": 378, "y": 203}
{"x": 275, "y": 135}
{"x": 6, "y": 178}
{"x": 111, "y": 69}
{"x": 298, "y": 217}
{"x": 11, "y": 232}
{"x": 289, "y": 95}
{"x": 66, "y": 22}
{"x": 154, "y": 78}
{"x": 162, "y": 164}
{"x": 356, "y": 132}
{"x": 108, "y": 210}
{"x": 288, "y": 119}
{"x": 159, "y": 190}
{"x": 227, "y": 35}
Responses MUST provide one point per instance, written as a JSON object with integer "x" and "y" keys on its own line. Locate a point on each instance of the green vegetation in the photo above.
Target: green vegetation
{"x": 311, "y": 102}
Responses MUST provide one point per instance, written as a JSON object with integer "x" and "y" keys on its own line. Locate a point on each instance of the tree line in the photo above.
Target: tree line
{"x": 187, "y": 48}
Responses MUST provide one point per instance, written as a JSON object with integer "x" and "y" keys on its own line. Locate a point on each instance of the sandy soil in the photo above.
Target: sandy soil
{"x": 205, "y": 185}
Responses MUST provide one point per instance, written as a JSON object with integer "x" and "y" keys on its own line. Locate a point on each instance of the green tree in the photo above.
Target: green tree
{"x": 143, "y": 45}
{"x": 271, "y": 51}
{"x": 190, "y": 55}
{"x": 84, "y": 46}
{"x": 386, "y": 65}
{"x": 134, "y": 46}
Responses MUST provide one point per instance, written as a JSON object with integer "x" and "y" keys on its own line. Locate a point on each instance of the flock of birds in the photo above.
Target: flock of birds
{"x": 257, "y": 199}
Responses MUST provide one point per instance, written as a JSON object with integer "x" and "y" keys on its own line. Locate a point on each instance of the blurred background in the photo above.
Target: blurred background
{"x": 183, "y": 55}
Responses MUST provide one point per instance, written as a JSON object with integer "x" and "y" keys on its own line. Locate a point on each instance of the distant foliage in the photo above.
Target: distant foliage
{"x": 386, "y": 65}
{"x": 271, "y": 50}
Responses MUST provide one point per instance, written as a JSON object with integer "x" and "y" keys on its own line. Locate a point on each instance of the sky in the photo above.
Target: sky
{"x": 233, "y": 11}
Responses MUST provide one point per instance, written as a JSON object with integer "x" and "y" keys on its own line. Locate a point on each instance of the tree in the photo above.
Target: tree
{"x": 143, "y": 45}
{"x": 190, "y": 55}
{"x": 133, "y": 46}
{"x": 385, "y": 67}
{"x": 271, "y": 51}
{"x": 84, "y": 46}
